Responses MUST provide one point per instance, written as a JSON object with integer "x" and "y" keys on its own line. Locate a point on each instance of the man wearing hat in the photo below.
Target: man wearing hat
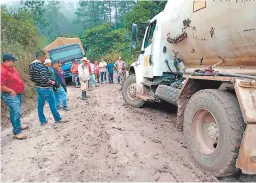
{"x": 40, "y": 75}
{"x": 84, "y": 76}
{"x": 12, "y": 88}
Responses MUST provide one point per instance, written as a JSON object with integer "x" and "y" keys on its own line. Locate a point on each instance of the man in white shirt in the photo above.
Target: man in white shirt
{"x": 84, "y": 76}
{"x": 103, "y": 70}
{"x": 92, "y": 81}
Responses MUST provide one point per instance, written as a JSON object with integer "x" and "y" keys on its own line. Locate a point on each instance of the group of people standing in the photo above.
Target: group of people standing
{"x": 99, "y": 72}
{"x": 49, "y": 88}
{"x": 49, "y": 80}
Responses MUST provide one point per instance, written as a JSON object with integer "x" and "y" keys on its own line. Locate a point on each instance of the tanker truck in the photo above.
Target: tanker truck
{"x": 201, "y": 57}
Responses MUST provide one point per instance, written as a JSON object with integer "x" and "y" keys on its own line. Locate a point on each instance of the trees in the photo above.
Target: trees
{"x": 102, "y": 40}
{"x": 36, "y": 9}
{"x": 114, "y": 38}
{"x": 94, "y": 13}
{"x": 91, "y": 13}
{"x": 141, "y": 13}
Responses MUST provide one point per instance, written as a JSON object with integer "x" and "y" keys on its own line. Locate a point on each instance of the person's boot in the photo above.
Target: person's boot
{"x": 83, "y": 95}
{"x": 20, "y": 136}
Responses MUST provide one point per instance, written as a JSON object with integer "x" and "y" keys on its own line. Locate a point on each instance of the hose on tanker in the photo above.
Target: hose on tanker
{"x": 235, "y": 75}
{"x": 200, "y": 73}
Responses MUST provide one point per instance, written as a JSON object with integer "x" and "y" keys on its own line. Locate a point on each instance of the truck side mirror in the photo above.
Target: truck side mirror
{"x": 134, "y": 35}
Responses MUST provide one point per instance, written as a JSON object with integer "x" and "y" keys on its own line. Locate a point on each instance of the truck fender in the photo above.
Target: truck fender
{"x": 137, "y": 70}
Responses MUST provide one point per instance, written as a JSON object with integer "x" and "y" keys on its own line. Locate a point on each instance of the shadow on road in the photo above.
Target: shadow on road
{"x": 162, "y": 107}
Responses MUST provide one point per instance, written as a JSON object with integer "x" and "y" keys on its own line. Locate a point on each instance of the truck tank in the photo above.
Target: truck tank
{"x": 211, "y": 33}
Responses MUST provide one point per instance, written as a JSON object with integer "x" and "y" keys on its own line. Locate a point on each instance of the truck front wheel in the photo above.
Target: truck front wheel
{"x": 213, "y": 128}
{"x": 129, "y": 92}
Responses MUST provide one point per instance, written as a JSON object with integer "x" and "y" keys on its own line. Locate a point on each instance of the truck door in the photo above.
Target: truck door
{"x": 146, "y": 51}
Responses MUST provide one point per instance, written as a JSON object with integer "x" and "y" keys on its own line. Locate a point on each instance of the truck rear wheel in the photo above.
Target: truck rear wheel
{"x": 129, "y": 92}
{"x": 213, "y": 128}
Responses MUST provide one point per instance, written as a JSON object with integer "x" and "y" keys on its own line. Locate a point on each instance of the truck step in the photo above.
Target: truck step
{"x": 168, "y": 94}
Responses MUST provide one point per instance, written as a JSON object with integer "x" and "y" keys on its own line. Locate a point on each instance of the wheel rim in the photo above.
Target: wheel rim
{"x": 131, "y": 91}
{"x": 205, "y": 131}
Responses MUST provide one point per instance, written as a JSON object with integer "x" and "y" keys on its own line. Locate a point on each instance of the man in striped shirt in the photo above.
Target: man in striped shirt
{"x": 40, "y": 75}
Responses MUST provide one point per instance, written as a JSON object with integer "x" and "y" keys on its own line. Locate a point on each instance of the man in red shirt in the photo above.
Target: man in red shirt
{"x": 74, "y": 71}
{"x": 12, "y": 88}
{"x": 97, "y": 71}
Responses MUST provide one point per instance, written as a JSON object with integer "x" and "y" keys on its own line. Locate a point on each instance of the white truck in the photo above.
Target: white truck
{"x": 201, "y": 57}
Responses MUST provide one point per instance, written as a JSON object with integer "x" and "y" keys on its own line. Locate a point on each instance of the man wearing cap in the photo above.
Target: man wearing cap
{"x": 59, "y": 92}
{"x": 12, "y": 88}
{"x": 40, "y": 75}
{"x": 84, "y": 76}
{"x": 74, "y": 71}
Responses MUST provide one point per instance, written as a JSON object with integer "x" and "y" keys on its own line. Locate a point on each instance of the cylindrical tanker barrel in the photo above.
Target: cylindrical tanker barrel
{"x": 206, "y": 33}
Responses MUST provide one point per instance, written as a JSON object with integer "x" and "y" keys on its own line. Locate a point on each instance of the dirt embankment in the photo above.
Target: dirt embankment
{"x": 105, "y": 140}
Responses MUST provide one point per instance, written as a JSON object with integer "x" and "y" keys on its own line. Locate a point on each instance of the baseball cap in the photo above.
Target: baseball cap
{"x": 47, "y": 61}
{"x": 8, "y": 56}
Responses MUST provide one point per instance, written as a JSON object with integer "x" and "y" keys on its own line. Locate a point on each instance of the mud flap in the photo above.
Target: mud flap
{"x": 247, "y": 155}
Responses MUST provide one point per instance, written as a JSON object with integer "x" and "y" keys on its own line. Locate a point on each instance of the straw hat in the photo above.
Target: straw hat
{"x": 84, "y": 58}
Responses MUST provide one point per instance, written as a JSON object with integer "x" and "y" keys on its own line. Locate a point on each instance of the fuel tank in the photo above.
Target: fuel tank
{"x": 211, "y": 33}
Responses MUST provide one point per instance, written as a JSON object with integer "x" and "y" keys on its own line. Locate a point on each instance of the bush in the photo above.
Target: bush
{"x": 21, "y": 38}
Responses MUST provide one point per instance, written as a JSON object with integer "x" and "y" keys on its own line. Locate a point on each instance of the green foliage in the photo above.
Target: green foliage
{"x": 57, "y": 23}
{"x": 109, "y": 41}
{"x": 104, "y": 41}
{"x": 20, "y": 37}
{"x": 36, "y": 9}
{"x": 93, "y": 13}
{"x": 142, "y": 12}
{"x": 18, "y": 27}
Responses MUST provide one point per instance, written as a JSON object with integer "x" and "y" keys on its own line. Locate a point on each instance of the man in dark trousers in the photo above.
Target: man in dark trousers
{"x": 12, "y": 88}
{"x": 40, "y": 75}
{"x": 110, "y": 72}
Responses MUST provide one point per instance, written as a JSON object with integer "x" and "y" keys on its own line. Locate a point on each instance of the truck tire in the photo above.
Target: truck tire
{"x": 129, "y": 92}
{"x": 213, "y": 128}
{"x": 168, "y": 94}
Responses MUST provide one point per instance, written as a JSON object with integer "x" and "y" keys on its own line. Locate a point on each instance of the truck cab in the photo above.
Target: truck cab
{"x": 66, "y": 54}
{"x": 155, "y": 64}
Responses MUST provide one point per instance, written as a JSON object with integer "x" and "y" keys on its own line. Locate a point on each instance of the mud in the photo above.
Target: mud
{"x": 104, "y": 140}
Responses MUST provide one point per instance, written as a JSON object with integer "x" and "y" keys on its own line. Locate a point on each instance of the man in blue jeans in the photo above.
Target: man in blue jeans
{"x": 59, "y": 92}
{"x": 12, "y": 88}
{"x": 40, "y": 75}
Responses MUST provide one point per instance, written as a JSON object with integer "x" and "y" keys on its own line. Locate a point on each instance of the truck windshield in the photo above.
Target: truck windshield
{"x": 66, "y": 52}
{"x": 150, "y": 33}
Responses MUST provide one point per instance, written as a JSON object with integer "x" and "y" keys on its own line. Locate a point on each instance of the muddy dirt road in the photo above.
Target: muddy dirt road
{"x": 105, "y": 140}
